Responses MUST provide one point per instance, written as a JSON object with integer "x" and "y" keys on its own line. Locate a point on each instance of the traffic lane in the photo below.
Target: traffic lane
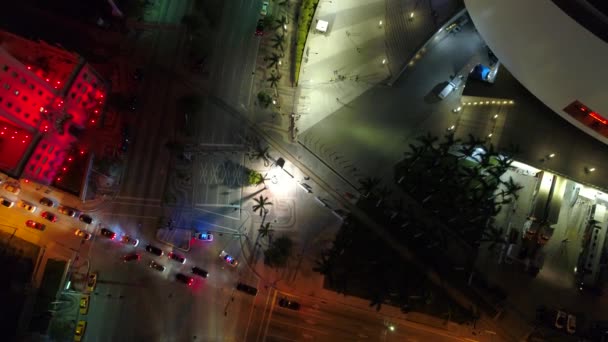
{"x": 232, "y": 60}
{"x": 319, "y": 319}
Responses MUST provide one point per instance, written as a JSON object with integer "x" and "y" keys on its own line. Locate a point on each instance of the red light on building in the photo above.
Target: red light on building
{"x": 93, "y": 121}
{"x": 65, "y": 168}
{"x": 70, "y": 159}
{"x": 81, "y": 152}
{"x": 598, "y": 118}
{"x": 47, "y": 80}
{"x": 26, "y": 180}
{"x": 29, "y": 67}
{"x": 58, "y": 179}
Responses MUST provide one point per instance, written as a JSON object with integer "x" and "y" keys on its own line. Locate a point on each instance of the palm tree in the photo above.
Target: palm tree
{"x": 383, "y": 194}
{"x": 281, "y": 22}
{"x": 427, "y": 140}
{"x": 278, "y": 40}
{"x": 368, "y": 184}
{"x": 261, "y": 204}
{"x": 494, "y": 236}
{"x": 274, "y": 60}
{"x": 260, "y": 152}
{"x": 274, "y": 80}
{"x": 511, "y": 188}
{"x": 265, "y": 230}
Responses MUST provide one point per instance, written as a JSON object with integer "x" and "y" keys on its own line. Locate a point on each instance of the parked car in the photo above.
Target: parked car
{"x": 229, "y": 259}
{"x": 247, "y": 289}
{"x": 12, "y": 188}
{"x": 129, "y": 240}
{"x": 204, "y": 236}
{"x": 49, "y": 216}
{"x": 27, "y": 206}
{"x": 107, "y": 233}
{"x": 182, "y": 278}
{"x": 560, "y": 319}
{"x": 131, "y": 257}
{"x": 35, "y": 225}
{"x": 84, "y": 305}
{"x": 67, "y": 211}
{"x": 85, "y": 218}
{"x": 200, "y": 272}
{"x": 179, "y": 258}
{"x": 47, "y": 201}
{"x": 80, "y": 329}
{"x": 289, "y": 304}
{"x": 83, "y": 234}
{"x": 264, "y": 9}
{"x": 154, "y": 250}
{"x": 7, "y": 203}
{"x": 157, "y": 266}
{"x": 91, "y": 282}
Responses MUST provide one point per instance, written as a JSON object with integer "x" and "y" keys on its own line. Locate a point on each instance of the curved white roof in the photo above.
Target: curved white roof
{"x": 554, "y": 57}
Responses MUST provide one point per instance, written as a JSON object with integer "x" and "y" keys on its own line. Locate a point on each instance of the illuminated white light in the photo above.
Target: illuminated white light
{"x": 383, "y": 60}
{"x": 495, "y": 116}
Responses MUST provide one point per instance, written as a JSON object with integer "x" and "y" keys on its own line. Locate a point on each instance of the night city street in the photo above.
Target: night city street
{"x": 293, "y": 170}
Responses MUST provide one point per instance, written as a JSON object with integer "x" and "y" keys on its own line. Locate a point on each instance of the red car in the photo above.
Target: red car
{"x": 131, "y": 257}
{"x": 49, "y": 216}
{"x": 35, "y": 225}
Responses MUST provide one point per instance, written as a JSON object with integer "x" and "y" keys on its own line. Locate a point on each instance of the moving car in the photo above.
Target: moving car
{"x": 67, "y": 211}
{"x": 107, "y": 233}
{"x": 179, "y": 258}
{"x": 200, "y": 272}
{"x": 154, "y": 250}
{"x": 84, "y": 305}
{"x": 285, "y": 303}
{"x": 35, "y": 225}
{"x": 138, "y": 74}
{"x": 80, "y": 328}
{"x": 12, "y": 188}
{"x": 229, "y": 259}
{"x": 560, "y": 319}
{"x": 49, "y": 216}
{"x": 264, "y": 9}
{"x": 85, "y": 218}
{"x": 91, "y": 282}
{"x": 129, "y": 240}
{"x": 204, "y": 236}
{"x": 5, "y": 202}
{"x": 182, "y": 278}
{"x": 27, "y": 206}
{"x": 157, "y": 266}
{"x": 47, "y": 201}
{"x": 83, "y": 234}
{"x": 247, "y": 289}
{"x": 131, "y": 257}
{"x": 259, "y": 28}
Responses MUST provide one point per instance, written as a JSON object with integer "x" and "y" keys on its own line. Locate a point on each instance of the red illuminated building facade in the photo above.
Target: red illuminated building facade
{"x": 48, "y": 98}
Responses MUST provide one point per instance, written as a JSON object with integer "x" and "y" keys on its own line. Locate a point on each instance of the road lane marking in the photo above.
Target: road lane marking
{"x": 274, "y": 297}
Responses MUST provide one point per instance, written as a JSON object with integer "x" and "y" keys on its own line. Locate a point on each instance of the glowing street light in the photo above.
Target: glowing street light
{"x": 391, "y": 327}
{"x": 411, "y": 15}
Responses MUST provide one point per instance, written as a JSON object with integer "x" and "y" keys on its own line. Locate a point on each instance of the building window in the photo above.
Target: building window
{"x": 39, "y": 92}
{"x": 23, "y": 80}
{"x": 14, "y": 74}
{"x": 9, "y": 104}
{"x": 24, "y": 98}
{"x": 5, "y": 68}
{"x": 27, "y": 115}
{"x": 31, "y": 87}
{"x": 18, "y": 110}
{"x": 7, "y": 86}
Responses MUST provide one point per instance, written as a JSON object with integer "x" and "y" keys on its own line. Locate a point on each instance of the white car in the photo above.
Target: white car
{"x": 264, "y": 9}
{"x": 229, "y": 259}
{"x": 27, "y": 206}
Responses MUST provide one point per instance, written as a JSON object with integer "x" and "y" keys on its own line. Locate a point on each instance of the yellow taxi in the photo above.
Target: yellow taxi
{"x": 91, "y": 282}
{"x": 80, "y": 328}
{"x": 84, "y": 305}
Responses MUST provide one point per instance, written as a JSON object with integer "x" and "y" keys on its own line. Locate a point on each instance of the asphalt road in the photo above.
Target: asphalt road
{"x": 319, "y": 320}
